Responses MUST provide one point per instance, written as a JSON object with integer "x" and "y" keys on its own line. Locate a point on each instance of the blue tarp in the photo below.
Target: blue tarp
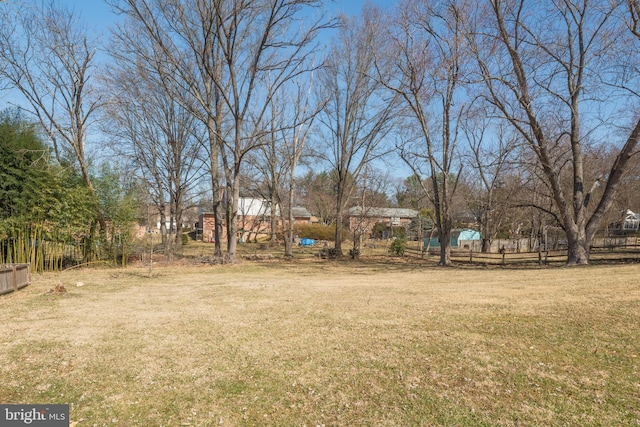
{"x": 306, "y": 242}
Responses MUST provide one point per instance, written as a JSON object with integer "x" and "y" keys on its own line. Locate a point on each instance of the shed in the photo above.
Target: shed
{"x": 458, "y": 237}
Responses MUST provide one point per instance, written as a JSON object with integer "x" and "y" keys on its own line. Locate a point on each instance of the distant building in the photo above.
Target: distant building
{"x": 302, "y": 215}
{"x": 363, "y": 220}
{"x": 150, "y": 220}
{"x": 254, "y": 220}
{"x": 628, "y": 224}
{"x": 460, "y": 237}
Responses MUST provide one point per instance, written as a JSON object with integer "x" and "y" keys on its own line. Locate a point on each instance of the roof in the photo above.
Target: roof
{"x": 462, "y": 234}
{"x": 300, "y": 212}
{"x": 383, "y": 212}
{"x": 630, "y": 215}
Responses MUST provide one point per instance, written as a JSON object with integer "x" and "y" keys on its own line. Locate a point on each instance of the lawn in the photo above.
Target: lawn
{"x": 324, "y": 343}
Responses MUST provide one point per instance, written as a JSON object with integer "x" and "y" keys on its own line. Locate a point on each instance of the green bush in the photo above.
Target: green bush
{"x": 398, "y": 246}
{"x": 185, "y": 239}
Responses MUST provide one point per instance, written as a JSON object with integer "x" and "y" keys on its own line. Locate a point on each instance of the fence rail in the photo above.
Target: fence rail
{"x": 624, "y": 252}
{"x": 14, "y": 277}
{"x": 543, "y": 257}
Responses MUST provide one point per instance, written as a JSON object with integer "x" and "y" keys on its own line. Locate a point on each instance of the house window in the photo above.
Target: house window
{"x": 395, "y": 221}
{"x": 631, "y": 224}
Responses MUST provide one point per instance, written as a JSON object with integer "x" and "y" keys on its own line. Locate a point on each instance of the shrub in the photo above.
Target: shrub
{"x": 318, "y": 231}
{"x": 398, "y": 246}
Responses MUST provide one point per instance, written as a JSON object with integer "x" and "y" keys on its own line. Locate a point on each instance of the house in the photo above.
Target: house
{"x": 150, "y": 220}
{"x": 460, "y": 238}
{"x": 302, "y": 216}
{"x": 254, "y": 220}
{"x": 628, "y": 224}
{"x": 363, "y": 220}
{"x": 205, "y": 228}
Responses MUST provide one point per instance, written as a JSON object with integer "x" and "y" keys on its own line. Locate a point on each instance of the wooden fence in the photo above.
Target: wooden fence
{"x": 504, "y": 258}
{"x": 622, "y": 253}
{"x": 14, "y": 277}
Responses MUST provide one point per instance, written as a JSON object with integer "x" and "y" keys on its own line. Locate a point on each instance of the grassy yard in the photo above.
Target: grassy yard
{"x": 321, "y": 343}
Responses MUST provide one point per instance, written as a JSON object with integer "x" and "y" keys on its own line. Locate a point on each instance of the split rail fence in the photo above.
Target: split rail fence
{"x": 628, "y": 252}
{"x": 14, "y": 277}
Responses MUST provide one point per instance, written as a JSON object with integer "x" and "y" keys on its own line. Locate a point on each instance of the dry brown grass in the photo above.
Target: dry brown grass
{"x": 325, "y": 343}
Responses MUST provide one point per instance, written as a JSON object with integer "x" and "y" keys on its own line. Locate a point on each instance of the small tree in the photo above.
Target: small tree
{"x": 120, "y": 206}
{"x": 398, "y": 246}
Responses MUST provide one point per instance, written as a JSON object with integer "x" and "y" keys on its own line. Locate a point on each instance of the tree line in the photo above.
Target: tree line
{"x": 501, "y": 108}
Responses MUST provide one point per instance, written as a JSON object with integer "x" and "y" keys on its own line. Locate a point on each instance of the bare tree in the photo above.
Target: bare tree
{"x": 491, "y": 150}
{"x": 48, "y": 58}
{"x": 184, "y": 32}
{"x": 551, "y": 82}
{"x": 237, "y": 45}
{"x": 290, "y": 120}
{"x": 428, "y": 55}
{"x": 358, "y": 115}
{"x": 260, "y": 41}
{"x": 158, "y": 136}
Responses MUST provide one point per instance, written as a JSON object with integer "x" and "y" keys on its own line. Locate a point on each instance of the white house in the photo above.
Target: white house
{"x": 630, "y": 223}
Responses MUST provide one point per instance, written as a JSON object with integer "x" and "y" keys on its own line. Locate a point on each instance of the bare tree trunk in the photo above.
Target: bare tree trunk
{"x": 445, "y": 246}
{"x": 163, "y": 226}
{"x": 273, "y": 219}
{"x": 215, "y": 188}
{"x": 339, "y": 223}
{"x": 232, "y": 218}
{"x": 288, "y": 228}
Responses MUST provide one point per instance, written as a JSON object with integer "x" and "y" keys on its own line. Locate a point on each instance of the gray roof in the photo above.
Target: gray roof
{"x": 383, "y": 212}
{"x": 300, "y": 212}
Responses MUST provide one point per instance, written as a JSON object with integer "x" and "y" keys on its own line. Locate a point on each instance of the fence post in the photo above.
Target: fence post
{"x": 15, "y": 277}
{"x": 471, "y": 256}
